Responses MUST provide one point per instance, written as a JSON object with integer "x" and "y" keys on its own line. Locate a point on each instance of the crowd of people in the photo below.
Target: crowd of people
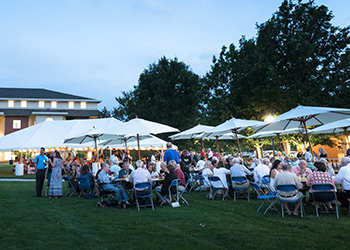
{"x": 300, "y": 170}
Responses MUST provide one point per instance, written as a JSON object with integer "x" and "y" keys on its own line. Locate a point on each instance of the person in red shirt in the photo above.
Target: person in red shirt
{"x": 204, "y": 154}
{"x": 180, "y": 175}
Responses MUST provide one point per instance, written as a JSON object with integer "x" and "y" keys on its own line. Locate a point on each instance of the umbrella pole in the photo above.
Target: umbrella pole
{"x": 308, "y": 138}
{"x": 126, "y": 146}
{"x": 347, "y": 135}
{"x": 138, "y": 145}
{"x": 239, "y": 147}
{"x": 202, "y": 143}
{"x": 217, "y": 144}
{"x": 279, "y": 142}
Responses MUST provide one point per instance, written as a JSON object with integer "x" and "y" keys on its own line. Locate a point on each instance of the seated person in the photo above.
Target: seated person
{"x": 320, "y": 176}
{"x": 185, "y": 169}
{"x": 287, "y": 177}
{"x": 200, "y": 164}
{"x": 180, "y": 175}
{"x": 310, "y": 164}
{"x": 140, "y": 175}
{"x": 220, "y": 171}
{"x": 238, "y": 170}
{"x": 163, "y": 169}
{"x": 85, "y": 173}
{"x": 73, "y": 175}
{"x": 262, "y": 170}
{"x": 343, "y": 178}
{"x": 152, "y": 170}
{"x": 106, "y": 178}
{"x": 125, "y": 171}
{"x": 162, "y": 190}
{"x": 206, "y": 173}
{"x": 301, "y": 169}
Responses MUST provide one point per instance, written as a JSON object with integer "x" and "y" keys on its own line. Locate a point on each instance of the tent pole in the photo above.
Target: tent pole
{"x": 239, "y": 147}
{"x": 97, "y": 156}
{"x": 138, "y": 145}
{"x": 308, "y": 138}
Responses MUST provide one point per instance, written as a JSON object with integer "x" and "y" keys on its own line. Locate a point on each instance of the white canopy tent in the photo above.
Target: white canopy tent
{"x": 51, "y": 134}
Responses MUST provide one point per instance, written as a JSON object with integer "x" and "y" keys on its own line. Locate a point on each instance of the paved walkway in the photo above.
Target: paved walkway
{"x": 17, "y": 179}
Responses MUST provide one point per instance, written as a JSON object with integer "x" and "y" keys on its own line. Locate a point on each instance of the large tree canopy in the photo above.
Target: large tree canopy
{"x": 168, "y": 92}
{"x": 298, "y": 57}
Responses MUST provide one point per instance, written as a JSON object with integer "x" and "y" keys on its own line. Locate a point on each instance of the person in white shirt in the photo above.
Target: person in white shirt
{"x": 140, "y": 175}
{"x": 308, "y": 154}
{"x": 238, "y": 170}
{"x": 220, "y": 171}
{"x": 261, "y": 170}
{"x": 114, "y": 158}
{"x": 255, "y": 163}
{"x": 206, "y": 173}
{"x": 343, "y": 177}
{"x": 201, "y": 163}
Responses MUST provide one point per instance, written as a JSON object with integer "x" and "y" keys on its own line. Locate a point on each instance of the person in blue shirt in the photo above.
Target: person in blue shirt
{"x": 40, "y": 164}
{"x": 171, "y": 154}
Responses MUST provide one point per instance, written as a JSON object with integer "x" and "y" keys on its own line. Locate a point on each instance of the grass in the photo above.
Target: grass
{"x": 6, "y": 172}
{"x": 28, "y": 222}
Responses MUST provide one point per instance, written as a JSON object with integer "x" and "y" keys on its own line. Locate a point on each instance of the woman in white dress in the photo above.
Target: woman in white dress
{"x": 275, "y": 169}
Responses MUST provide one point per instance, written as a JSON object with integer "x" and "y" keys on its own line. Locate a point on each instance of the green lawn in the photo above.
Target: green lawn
{"x": 6, "y": 172}
{"x": 28, "y": 222}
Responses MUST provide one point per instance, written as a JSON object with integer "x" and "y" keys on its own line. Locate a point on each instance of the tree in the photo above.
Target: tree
{"x": 167, "y": 92}
{"x": 104, "y": 113}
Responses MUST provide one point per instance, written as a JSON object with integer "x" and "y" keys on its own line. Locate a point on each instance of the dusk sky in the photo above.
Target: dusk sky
{"x": 98, "y": 48}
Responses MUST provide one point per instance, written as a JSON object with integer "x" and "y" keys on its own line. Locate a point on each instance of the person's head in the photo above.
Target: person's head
{"x": 57, "y": 154}
{"x": 214, "y": 161}
{"x": 171, "y": 168}
{"x": 320, "y": 166}
{"x": 105, "y": 167}
{"x": 126, "y": 166}
{"x": 235, "y": 161}
{"x": 185, "y": 152}
{"x": 163, "y": 166}
{"x": 202, "y": 158}
{"x": 324, "y": 161}
{"x": 115, "y": 152}
{"x": 173, "y": 162}
{"x": 321, "y": 150}
{"x": 85, "y": 169}
{"x": 287, "y": 158}
{"x": 42, "y": 151}
{"x": 286, "y": 167}
{"x": 344, "y": 161}
{"x": 220, "y": 164}
{"x": 207, "y": 164}
{"x": 277, "y": 164}
{"x": 109, "y": 162}
{"x": 191, "y": 153}
{"x": 302, "y": 164}
{"x": 208, "y": 149}
{"x": 169, "y": 145}
{"x": 266, "y": 161}
{"x": 139, "y": 164}
{"x": 256, "y": 161}
{"x": 308, "y": 149}
{"x": 152, "y": 167}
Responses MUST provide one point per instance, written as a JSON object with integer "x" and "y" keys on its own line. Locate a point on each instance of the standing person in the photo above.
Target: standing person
{"x": 40, "y": 164}
{"x": 48, "y": 172}
{"x": 56, "y": 177}
{"x": 193, "y": 156}
{"x": 323, "y": 153}
{"x": 171, "y": 154}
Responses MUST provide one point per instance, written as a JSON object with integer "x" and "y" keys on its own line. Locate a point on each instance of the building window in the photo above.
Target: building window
{"x": 11, "y": 103}
{"x": 83, "y": 105}
{"x": 16, "y": 124}
{"x": 53, "y": 104}
{"x": 71, "y": 105}
{"x": 23, "y": 104}
{"x": 41, "y": 104}
{"x": 49, "y": 119}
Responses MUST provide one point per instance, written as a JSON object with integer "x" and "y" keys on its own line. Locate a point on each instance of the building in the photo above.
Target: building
{"x": 24, "y": 107}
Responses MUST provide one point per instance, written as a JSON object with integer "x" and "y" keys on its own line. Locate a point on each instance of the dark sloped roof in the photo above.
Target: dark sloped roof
{"x": 28, "y": 112}
{"x": 37, "y": 94}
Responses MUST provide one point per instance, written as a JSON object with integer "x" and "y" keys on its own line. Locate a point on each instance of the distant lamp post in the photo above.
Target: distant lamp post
{"x": 269, "y": 119}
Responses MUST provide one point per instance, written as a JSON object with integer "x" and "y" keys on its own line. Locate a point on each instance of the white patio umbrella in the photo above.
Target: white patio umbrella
{"x": 276, "y": 133}
{"x": 233, "y": 125}
{"x": 191, "y": 133}
{"x": 333, "y": 127}
{"x": 92, "y": 135}
{"x": 141, "y": 127}
{"x": 227, "y": 136}
{"x": 152, "y": 142}
{"x": 304, "y": 116}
